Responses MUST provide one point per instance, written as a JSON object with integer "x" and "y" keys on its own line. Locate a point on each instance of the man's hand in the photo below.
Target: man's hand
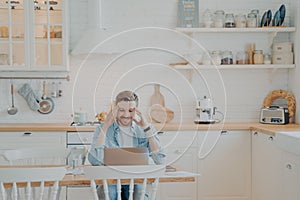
{"x": 141, "y": 122}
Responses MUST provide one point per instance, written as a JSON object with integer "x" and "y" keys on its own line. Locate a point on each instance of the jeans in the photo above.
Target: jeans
{"x": 113, "y": 195}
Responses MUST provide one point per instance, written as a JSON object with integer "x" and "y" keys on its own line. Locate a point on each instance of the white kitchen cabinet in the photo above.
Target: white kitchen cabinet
{"x": 266, "y": 157}
{"x": 181, "y": 151}
{"x": 33, "y": 36}
{"x": 31, "y": 139}
{"x": 290, "y": 171}
{"x": 226, "y": 170}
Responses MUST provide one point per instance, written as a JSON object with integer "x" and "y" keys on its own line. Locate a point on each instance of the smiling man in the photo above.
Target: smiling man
{"x": 125, "y": 126}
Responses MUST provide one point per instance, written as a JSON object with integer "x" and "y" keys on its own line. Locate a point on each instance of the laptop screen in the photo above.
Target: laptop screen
{"x": 126, "y": 156}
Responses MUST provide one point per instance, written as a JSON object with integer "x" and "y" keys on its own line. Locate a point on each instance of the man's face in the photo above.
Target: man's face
{"x": 125, "y": 112}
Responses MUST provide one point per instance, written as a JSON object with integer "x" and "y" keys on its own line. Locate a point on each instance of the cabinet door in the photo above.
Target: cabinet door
{"x": 290, "y": 167}
{"x": 181, "y": 153}
{"x": 30, "y": 139}
{"x": 265, "y": 167}
{"x": 40, "y": 28}
{"x": 226, "y": 170}
{"x": 12, "y": 37}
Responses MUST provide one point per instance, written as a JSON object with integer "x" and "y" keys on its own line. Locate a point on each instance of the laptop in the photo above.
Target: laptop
{"x": 126, "y": 156}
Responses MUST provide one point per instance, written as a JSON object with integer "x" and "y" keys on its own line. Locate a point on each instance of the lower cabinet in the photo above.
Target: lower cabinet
{"x": 225, "y": 165}
{"x": 181, "y": 151}
{"x": 30, "y": 139}
{"x": 266, "y": 172}
{"x": 290, "y": 168}
{"x": 222, "y": 158}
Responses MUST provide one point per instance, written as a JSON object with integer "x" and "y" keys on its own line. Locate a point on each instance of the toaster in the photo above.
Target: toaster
{"x": 274, "y": 115}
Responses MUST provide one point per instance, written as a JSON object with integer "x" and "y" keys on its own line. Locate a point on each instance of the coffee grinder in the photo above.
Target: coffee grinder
{"x": 205, "y": 111}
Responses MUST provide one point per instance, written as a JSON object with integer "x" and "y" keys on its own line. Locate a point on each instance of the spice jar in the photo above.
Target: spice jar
{"x": 227, "y": 58}
{"x": 258, "y": 57}
{"x": 241, "y": 58}
{"x": 216, "y": 57}
{"x": 251, "y": 20}
{"x": 219, "y": 19}
{"x": 267, "y": 59}
{"x": 256, "y": 12}
{"x": 229, "y": 20}
{"x": 240, "y": 21}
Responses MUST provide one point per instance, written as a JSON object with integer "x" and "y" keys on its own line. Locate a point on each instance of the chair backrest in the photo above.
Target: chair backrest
{"x": 36, "y": 156}
{"x": 29, "y": 175}
{"x": 118, "y": 173}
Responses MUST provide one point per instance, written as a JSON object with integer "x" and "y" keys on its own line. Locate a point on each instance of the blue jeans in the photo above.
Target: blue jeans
{"x": 112, "y": 192}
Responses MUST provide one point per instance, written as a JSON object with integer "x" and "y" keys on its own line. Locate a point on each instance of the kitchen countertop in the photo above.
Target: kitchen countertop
{"x": 265, "y": 128}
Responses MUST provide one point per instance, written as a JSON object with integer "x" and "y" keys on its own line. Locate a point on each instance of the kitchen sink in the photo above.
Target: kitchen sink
{"x": 289, "y": 141}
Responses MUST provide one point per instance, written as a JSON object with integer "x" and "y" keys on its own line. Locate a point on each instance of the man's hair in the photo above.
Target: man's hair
{"x": 127, "y": 96}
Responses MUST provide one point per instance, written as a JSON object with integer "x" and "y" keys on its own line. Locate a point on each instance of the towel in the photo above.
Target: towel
{"x": 31, "y": 98}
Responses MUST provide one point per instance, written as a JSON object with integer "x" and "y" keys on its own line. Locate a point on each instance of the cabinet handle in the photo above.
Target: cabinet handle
{"x": 289, "y": 166}
{"x": 27, "y": 133}
{"x": 224, "y": 133}
{"x": 160, "y": 132}
{"x": 255, "y": 133}
{"x": 271, "y": 138}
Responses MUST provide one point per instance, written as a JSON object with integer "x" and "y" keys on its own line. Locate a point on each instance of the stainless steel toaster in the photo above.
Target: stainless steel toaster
{"x": 274, "y": 115}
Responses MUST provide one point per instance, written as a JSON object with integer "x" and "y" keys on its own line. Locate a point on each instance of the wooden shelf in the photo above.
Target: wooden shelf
{"x": 237, "y": 30}
{"x": 213, "y": 67}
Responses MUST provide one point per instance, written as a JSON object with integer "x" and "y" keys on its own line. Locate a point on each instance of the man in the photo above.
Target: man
{"x": 125, "y": 126}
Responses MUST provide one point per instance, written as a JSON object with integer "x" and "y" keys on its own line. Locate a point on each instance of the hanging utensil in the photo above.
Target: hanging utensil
{"x": 46, "y": 103}
{"x": 12, "y": 110}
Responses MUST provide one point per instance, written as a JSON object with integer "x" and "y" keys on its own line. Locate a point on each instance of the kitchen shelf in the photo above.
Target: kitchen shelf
{"x": 237, "y": 30}
{"x": 277, "y": 66}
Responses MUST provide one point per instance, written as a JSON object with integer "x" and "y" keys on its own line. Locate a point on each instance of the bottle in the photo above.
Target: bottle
{"x": 258, "y": 57}
{"x": 256, "y": 12}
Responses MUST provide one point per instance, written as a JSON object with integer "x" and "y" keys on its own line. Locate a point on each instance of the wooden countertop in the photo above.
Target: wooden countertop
{"x": 82, "y": 180}
{"x": 255, "y": 126}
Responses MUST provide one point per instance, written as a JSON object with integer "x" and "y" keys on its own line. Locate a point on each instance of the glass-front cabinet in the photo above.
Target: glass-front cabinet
{"x": 33, "y": 35}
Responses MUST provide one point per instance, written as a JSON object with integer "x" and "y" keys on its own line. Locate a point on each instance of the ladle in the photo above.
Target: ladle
{"x": 12, "y": 110}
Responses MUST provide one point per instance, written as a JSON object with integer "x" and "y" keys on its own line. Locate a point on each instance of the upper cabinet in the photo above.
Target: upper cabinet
{"x": 33, "y": 35}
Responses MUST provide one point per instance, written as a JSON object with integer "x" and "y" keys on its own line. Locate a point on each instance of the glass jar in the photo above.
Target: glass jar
{"x": 241, "y": 58}
{"x": 219, "y": 19}
{"x": 256, "y": 12}
{"x": 240, "y": 21}
{"x": 216, "y": 57}
{"x": 229, "y": 20}
{"x": 251, "y": 20}
{"x": 258, "y": 57}
{"x": 208, "y": 18}
{"x": 227, "y": 58}
{"x": 267, "y": 59}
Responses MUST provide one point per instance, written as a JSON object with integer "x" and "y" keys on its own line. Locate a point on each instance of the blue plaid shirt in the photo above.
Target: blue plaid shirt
{"x": 140, "y": 139}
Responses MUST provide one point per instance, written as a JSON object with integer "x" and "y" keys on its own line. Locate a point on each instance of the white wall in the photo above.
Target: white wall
{"x": 94, "y": 81}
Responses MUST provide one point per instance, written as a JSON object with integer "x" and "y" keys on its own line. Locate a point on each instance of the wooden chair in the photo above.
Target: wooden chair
{"x": 36, "y": 156}
{"x": 119, "y": 173}
{"x": 28, "y": 176}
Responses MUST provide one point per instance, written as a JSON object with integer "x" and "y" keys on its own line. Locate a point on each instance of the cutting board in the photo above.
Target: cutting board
{"x": 157, "y": 97}
{"x": 158, "y": 111}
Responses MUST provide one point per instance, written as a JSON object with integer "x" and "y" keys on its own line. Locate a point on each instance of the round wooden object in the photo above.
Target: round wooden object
{"x": 289, "y": 97}
{"x": 161, "y": 114}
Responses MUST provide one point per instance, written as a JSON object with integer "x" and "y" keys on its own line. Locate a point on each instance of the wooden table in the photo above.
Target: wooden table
{"x": 81, "y": 180}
